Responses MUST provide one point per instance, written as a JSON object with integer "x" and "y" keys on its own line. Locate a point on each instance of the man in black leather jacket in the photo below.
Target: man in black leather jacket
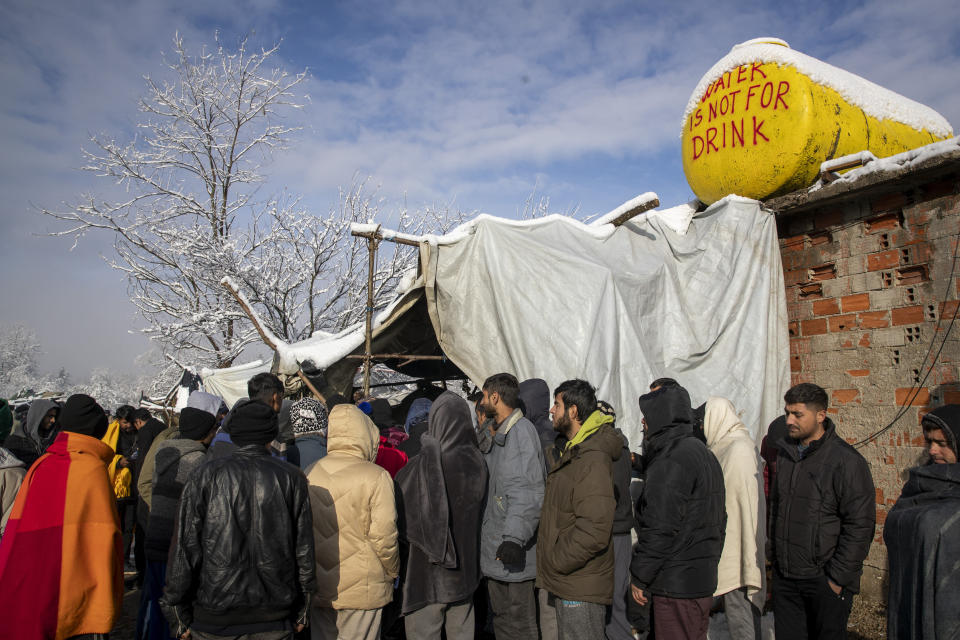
{"x": 242, "y": 561}
{"x": 822, "y": 516}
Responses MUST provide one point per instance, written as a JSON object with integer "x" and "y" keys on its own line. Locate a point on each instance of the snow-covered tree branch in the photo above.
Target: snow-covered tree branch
{"x": 190, "y": 181}
{"x": 190, "y": 214}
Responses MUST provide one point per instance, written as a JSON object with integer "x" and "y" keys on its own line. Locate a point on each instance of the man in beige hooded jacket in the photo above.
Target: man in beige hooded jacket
{"x": 741, "y": 578}
{"x": 354, "y": 530}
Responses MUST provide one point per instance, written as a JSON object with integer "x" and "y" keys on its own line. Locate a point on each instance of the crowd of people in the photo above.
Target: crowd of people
{"x": 519, "y": 511}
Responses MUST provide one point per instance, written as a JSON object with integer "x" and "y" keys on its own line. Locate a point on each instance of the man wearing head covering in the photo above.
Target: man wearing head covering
{"x": 355, "y": 530}
{"x": 12, "y": 468}
{"x": 175, "y": 460}
{"x": 242, "y": 558}
{"x": 441, "y": 499}
{"x": 922, "y": 534}
{"x": 535, "y": 402}
{"x": 61, "y": 573}
{"x": 308, "y": 417}
{"x": 198, "y": 400}
{"x": 680, "y": 519}
{"x": 741, "y": 573}
{"x": 36, "y": 433}
{"x": 415, "y": 426}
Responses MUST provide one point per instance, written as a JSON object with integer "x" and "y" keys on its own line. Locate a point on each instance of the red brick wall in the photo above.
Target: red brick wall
{"x": 868, "y": 288}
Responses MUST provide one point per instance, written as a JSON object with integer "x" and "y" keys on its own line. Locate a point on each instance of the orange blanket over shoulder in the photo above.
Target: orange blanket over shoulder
{"x": 60, "y": 558}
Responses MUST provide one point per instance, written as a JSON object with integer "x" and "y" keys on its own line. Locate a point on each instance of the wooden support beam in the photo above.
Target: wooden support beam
{"x": 379, "y": 237}
{"x": 395, "y": 356}
{"x": 632, "y": 213}
{"x": 310, "y": 386}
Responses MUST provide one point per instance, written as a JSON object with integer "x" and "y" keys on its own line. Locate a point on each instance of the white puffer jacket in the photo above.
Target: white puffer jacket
{"x": 354, "y": 516}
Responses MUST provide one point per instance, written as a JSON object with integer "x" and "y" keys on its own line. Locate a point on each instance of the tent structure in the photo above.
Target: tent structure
{"x": 229, "y": 383}
{"x": 697, "y": 296}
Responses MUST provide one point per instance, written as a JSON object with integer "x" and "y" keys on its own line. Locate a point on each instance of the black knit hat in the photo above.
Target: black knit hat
{"x": 253, "y": 423}
{"x": 195, "y": 424}
{"x": 947, "y": 419}
{"x": 81, "y": 414}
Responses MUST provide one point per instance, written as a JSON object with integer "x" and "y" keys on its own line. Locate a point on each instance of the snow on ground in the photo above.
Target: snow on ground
{"x": 875, "y": 100}
{"x": 718, "y": 628}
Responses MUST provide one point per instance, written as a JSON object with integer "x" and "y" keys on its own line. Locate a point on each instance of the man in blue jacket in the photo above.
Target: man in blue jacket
{"x": 508, "y": 552}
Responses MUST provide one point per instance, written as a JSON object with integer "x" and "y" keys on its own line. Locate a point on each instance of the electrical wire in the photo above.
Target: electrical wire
{"x": 915, "y": 389}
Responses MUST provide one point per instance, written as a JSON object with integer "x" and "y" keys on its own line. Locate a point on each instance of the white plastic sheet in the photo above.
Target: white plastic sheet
{"x": 231, "y": 383}
{"x": 556, "y": 300}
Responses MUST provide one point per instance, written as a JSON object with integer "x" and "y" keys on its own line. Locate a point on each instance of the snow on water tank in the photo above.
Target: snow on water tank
{"x": 762, "y": 120}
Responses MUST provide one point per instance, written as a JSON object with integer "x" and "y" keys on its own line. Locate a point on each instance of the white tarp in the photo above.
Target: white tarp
{"x": 556, "y": 299}
{"x": 231, "y": 383}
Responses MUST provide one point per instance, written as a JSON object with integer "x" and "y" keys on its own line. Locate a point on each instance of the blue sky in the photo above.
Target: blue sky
{"x": 474, "y": 103}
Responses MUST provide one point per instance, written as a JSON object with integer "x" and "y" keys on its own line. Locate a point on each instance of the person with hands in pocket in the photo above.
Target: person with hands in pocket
{"x": 822, "y": 517}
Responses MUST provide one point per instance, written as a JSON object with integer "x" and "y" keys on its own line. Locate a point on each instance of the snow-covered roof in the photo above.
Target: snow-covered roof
{"x": 904, "y": 160}
{"x": 600, "y": 228}
{"x": 875, "y": 100}
{"x": 325, "y": 349}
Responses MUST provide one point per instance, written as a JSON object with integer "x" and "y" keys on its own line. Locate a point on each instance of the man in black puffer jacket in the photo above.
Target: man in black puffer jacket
{"x": 681, "y": 519}
{"x": 822, "y": 516}
{"x": 242, "y": 560}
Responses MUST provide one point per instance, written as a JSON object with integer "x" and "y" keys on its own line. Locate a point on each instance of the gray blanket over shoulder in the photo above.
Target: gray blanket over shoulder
{"x": 922, "y": 533}
{"x": 440, "y": 500}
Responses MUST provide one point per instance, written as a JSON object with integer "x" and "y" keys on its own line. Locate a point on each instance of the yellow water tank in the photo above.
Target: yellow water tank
{"x": 764, "y": 118}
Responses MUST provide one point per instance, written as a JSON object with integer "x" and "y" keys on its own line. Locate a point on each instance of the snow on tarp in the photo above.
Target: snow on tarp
{"x": 875, "y": 100}
{"x": 555, "y": 299}
{"x": 896, "y": 162}
{"x": 324, "y": 349}
{"x": 231, "y": 383}
{"x": 550, "y": 300}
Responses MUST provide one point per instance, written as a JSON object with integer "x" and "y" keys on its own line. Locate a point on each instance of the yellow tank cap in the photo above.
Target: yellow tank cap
{"x": 763, "y": 118}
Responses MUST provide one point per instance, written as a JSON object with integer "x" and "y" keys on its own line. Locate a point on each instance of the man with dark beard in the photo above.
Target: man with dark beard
{"x": 514, "y": 495}
{"x": 575, "y": 550}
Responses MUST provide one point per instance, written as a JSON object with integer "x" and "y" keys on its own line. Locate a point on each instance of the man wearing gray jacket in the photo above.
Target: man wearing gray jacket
{"x": 508, "y": 552}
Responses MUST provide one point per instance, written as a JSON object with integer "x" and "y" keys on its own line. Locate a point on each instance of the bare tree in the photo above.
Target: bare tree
{"x": 305, "y": 274}
{"x": 189, "y": 183}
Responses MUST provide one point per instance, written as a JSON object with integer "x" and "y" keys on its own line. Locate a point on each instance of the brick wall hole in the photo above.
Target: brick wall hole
{"x": 826, "y": 271}
{"x": 886, "y": 221}
{"x": 913, "y": 274}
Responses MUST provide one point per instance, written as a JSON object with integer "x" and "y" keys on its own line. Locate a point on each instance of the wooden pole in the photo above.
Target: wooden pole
{"x": 378, "y": 237}
{"x": 632, "y": 213}
{"x": 371, "y": 265}
{"x": 394, "y": 356}
{"x": 310, "y": 386}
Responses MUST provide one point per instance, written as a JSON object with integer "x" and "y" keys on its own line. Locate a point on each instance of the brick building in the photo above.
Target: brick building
{"x": 872, "y": 292}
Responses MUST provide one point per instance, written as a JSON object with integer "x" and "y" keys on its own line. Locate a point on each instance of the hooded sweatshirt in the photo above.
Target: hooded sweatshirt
{"x": 354, "y": 516}
{"x": 680, "y": 514}
{"x": 12, "y": 471}
{"x": 28, "y": 444}
{"x": 535, "y": 397}
{"x": 742, "y": 562}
